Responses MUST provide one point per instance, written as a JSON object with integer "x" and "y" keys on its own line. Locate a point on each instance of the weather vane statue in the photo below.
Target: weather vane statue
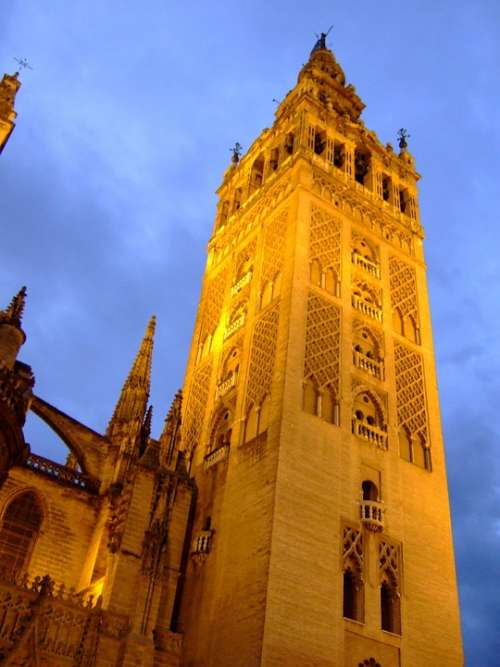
{"x": 403, "y": 136}
{"x": 321, "y": 40}
{"x": 23, "y": 63}
{"x": 236, "y": 151}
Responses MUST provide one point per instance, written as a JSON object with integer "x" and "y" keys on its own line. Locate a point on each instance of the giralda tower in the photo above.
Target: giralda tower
{"x": 311, "y": 422}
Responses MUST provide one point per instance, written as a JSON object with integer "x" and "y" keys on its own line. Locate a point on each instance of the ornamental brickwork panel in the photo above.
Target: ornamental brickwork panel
{"x": 388, "y": 561}
{"x": 403, "y": 286}
{"x": 262, "y": 356}
{"x": 213, "y": 300}
{"x": 322, "y": 354}
{"x": 352, "y": 550}
{"x": 410, "y": 390}
{"x": 324, "y": 241}
{"x": 196, "y": 406}
{"x": 274, "y": 246}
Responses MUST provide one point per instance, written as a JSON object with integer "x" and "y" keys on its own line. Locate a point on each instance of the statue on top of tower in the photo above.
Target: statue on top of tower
{"x": 321, "y": 41}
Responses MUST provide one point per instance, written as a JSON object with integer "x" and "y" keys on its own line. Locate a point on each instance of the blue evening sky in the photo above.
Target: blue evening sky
{"x": 107, "y": 199}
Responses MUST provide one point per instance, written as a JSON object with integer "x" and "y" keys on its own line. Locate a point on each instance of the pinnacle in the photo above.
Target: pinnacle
{"x": 14, "y": 312}
{"x": 131, "y": 406}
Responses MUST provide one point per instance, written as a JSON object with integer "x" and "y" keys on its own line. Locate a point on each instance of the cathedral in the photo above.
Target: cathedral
{"x": 294, "y": 510}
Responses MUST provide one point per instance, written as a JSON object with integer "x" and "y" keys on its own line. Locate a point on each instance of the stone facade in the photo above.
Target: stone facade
{"x": 294, "y": 511}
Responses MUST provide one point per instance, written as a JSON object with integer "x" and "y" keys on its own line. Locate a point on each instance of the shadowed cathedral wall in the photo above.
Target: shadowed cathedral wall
{"x": 69, "y": 517}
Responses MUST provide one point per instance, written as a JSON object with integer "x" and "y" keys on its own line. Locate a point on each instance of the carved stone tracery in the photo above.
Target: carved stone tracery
{"x": 322, "y": 345}
{"x": 410, "y": 391}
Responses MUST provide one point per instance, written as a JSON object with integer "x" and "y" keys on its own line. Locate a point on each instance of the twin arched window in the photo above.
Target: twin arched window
{"x": 19, "y": 529}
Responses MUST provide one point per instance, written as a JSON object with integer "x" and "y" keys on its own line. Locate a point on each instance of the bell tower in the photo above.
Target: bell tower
{"x": 311, "y": 418}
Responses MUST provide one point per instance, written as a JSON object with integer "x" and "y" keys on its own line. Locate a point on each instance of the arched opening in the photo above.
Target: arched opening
{"x": 352, "y": 596}
{"x": 389, "y": 608}
{"x": 362, "y": 163}
{"x": 315, "y": 272}
{"x": 330, "y": 282}
{"x": 274, "y": 159}
{"x": 251, "y": 424}
{"x": 267, "y": 294}
{"x": 338, "y": 154}
{"x": 237, "y": 199}
{"x": 265, "y": 409}
{"x": 405, "y": 448}
{"x": 410, "y": 329}
{"x": 397, "y": 321}
{"x": 369, "y": 489}
{"x": 319, "y": 141}
{"x": 329, "y": 406}
{"x": 221, "y": 431}
{"x": 310, "y": 397}
{"x": 289, "y": 143}
{"x": 257, "y": 174}
{"x": 224, "y": 213}
{"x": 20, "y": 526}
{"x": 419, "y": 448}
{"x": 368, "y": 419}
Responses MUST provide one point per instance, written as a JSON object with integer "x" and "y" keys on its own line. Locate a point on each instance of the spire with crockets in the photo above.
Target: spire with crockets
{"x": 128, "y": 417}
{"x": 14, "y": 312}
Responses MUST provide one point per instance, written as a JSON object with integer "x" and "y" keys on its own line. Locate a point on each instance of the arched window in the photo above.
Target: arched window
{"x": 389, "y": 608}
{"x": 410, "y": 329}
{"x": 405, "y": 448}
{"x": 315, "y": 272}
{"x": 329, "y": 406}
{"x": 252, "y": 424}
{"x": 257, "y": 174}
{"x": 19, "y": 529}
{"x": 397, "y": 321}
{"x": 369, "y": 489}
{"x": 221, "y": 431}
{"x": 353, "y": 596}
{"x": 362, "y": 163}
{"x": 310, "y": 398}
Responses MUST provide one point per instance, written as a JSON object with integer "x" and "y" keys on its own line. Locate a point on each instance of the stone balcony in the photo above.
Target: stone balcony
{"x": 371, "y": 514}
{"x": 234, "y": 326}
{"x": 367, "y": 364}
{"x": 201, "y": 543}
{"x": 366, "y": 308}
{"x": 367, "y": 265}
{"x": 216, "y": 456}
{"x": 241, "y": 283}
{"x": 61, "y": 473}
{"x": 226, "y": 385}
{"x": 372, "y": 434}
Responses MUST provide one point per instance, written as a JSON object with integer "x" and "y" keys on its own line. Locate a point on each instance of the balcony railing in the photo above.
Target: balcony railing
{"x": 367, "y": 265}
{"x": 371, "y": 433}
{"x": 368, "y": 309}
{"x": 61, "y": 473}
{"x": 226, "y": 384}
{"x": 241, "y": 283}
{"x": 372, "y": 366}
{"x": 218, "y": 455}
{"x": 201, "y": 542}
{"x": 371, "y": 514}
{"x": 235, "y": 325}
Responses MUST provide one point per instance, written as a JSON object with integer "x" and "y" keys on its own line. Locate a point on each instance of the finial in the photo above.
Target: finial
{"x": 403, "y": 135}
{"x": 14, "y": 312}
{"x": 321, "y": 41}
{"x": 236, "y": 151}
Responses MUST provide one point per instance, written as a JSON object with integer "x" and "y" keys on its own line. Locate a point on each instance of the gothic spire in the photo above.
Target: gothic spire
{"x": 14, "y": 312}
{"x": 129, "y": 412}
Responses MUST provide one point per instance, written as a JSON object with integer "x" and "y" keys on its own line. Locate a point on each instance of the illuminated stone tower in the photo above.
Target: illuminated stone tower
{"x": 311, "y": 420}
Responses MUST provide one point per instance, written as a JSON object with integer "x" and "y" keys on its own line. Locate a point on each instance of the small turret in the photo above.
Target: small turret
{"x": 128, "y": 417}
{"x": 12, "y": 336}
{"x": 9, "y": 86}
